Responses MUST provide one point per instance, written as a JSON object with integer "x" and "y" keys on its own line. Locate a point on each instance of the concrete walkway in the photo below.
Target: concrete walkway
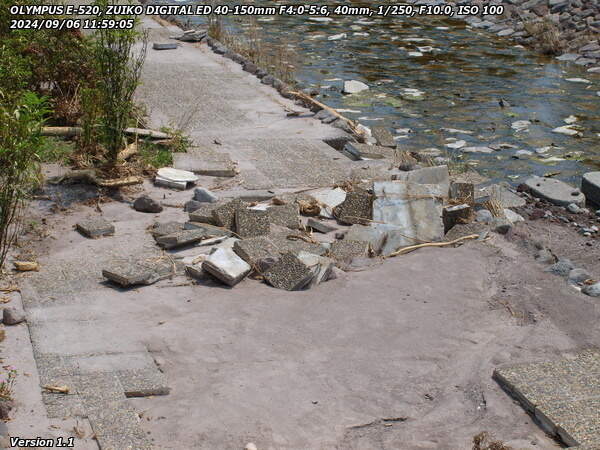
{"x": 397, "y": 356}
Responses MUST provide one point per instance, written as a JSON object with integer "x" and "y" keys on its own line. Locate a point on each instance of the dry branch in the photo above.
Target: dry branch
{"x": 353, "y": 126}
{"x": 411, "y": 248}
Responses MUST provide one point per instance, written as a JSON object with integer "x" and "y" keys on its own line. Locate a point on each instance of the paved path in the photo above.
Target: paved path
{"x": 398, "y": 356}
{"x": 212, "y": 98}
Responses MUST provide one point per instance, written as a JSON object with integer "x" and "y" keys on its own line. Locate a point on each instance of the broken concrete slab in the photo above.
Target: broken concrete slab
{"x": 143, "y": 382}
{"x": 502, "y": 193}
{"x": 163, "y": 182}
{"x": 320, "y": 266}
{"x": 359, "y": 152}
{"x": 147, "y": 205}
{"x": 343, "y": 252}
{"x": 203, "y": 195}
{"x": 127, "y": 273}
{"x": 176, "y": 176}
{"x": 328, "y": 199}
{"x": 95, "y": 227}
{"x": 256, "y": 249}
{"x": 319, "y": 226}
{"x": 590, "y": 186}
{"x": 224, "y": 215}
{"x": 284, "y": 215}
{"x": 356, "y": 208}
{"x": 115, "y": 423}
{"x": 415, "y": 208}
{"x": 181, "y": 238}
{"x": 251, "y": 222}
{"x": 166, "y": 46}
{"x": 288, "y": 273}
{"x": 204, "y": 213}
{"x": 226, "y": 266}
{"x": 555, "y": 191}
{"x": 370, "y": 234}
{"x": 562, "y": 395}
{"x": 288, "y": 241}
{"x": 165, "y": 228}
{"x": 456, "y": 214}
{"x": 209, "y": 229}
{"x": 428, "y": 175}
{"x": 201, "y": 166}
{"x": 383, "y": 136}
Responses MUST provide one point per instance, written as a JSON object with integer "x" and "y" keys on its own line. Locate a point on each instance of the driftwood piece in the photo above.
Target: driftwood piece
{"x": 62, "y": 131}
{"x": 147, "y": 133}
{"x": 89, "y": 176}
{"x": 77, "y": 131}
{"x": 128, "y": 151}
{"x": 360, "y": 135}
{"x": 411, "y": 248}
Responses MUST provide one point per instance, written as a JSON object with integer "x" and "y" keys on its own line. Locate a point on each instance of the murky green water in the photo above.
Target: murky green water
{"x": 462, "y": 79}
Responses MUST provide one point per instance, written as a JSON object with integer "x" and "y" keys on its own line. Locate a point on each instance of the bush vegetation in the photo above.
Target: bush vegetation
{"x": 64, "y": 78}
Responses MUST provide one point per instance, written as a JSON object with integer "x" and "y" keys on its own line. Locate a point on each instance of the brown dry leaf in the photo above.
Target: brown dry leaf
{"x": 4, "y": 299}
{"x": 57, "y": 389}
{"x": 2, "y": 334}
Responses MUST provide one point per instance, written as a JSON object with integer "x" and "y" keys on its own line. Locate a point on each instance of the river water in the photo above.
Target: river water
{"x": 460, "y": 74}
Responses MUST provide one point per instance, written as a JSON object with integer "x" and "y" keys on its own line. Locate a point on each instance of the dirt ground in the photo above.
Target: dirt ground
{"x": 396, "y": 356}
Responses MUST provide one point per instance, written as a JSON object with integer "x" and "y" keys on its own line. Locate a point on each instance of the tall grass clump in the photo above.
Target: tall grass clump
{"x": 119, "y": 66}
{"x": 20, "y": 140}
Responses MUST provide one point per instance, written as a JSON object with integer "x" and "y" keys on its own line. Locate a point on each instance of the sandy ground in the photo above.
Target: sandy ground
{"x": 398, "y": 356}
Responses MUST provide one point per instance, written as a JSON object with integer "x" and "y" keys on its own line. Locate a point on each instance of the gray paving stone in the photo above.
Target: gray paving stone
{"x": 209, "y": 230}
{"x": 251, "y": 222}
{"x": 255, "y": 249}
{"x": 95, "y": 227}
{"x": 129, "y": 273}
{"x": 226, "y": 266}
{"x": 321, "y": 267}
{"x": 563, "y": 395}
{"x": 201, "y": 166}
{"x": 163, "y": 229}
{"x": 357, "y": 152}
{"x": 555, "y": 191}
{"x": 114, "y": 422}
{"x": 502, "y": 193}
{"x": 293, "y": 242}
{"x": 181, "y": 238}
{"x": 224, "y": 215}
{"x": 344, "y": 251}
{"x": 357, "y": 208}
{"x": 143, "y": 382}
{"x": 288, "y": 273}
{"x": 590, "y": 186}
{"x": 204, "y": 213}
{"x": 319, "y": 226}
{"x": 284, "y": 215}
{"x": 428, "y": 175}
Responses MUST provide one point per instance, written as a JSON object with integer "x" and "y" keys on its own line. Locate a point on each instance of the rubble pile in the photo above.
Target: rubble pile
{"x": 296, "y": 241}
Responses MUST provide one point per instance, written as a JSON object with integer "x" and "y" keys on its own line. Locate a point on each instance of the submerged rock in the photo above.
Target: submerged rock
{"x": 354, "y": 87}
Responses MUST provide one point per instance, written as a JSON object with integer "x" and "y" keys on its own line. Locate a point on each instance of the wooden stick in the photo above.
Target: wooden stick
{"x": 411, "y": 248}
{"x": 118, "y": 182}
{"x": 128, "y": 151}
{"x": 350, "y": 123}
{"x": 61, "y": 131}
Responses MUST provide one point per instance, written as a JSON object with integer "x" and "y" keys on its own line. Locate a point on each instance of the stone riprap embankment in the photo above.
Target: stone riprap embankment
{"x": 570, "y": 28}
